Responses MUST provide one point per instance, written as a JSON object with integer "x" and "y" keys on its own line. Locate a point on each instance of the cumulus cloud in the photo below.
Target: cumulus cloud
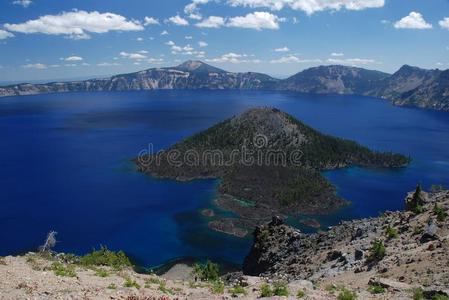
{"x": 177, "y": 20}
{"x": 444, "y": 23}
{"x": 73, "y": 58}
{"x": 165, "y": 32}
{"x": 414, "y": 20}
{"x": 202, "y": 44}
{"x": 5, "y": 34}
{"x": 283, "y": 49}
{"x": 24, "y": 3}
{"x": 233, "y": 58}
{"x": 337, "y": 54}
{"x": 352, "y": 61}
{"x": 293, "y": 59}
{"x": 257, "y": 20}
{"x": 150, "y": 21}
{"x": 76, "y": 24}
{"x": 37, "y": 66}
{"x": 136, "y": 56}
{"x": 211, "y": 22}
{"x": 308, "y": 6}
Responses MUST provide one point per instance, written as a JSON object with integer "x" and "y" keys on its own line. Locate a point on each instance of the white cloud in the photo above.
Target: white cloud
{"x": 76, "y": 24}
{"x": 211, "y": 22}
{"x": 165, "y": 32}
{"x": 73, "y": 58}
{"x": 85, "y": 64}
{"x": 137, "y": 56}
{"x": 170, "y": 43}
{"x": 444, "y": 23}
{"x": 414, "y": 20}
{"x": 155, "y": 60}
{"x": 139, "y": 39}
{"x": 195, "y": 16}
{"x": 107, "y": 64}
{"x": 5, "y": 34}
{"x": 192, "y": 8}
{"x": 233, "y": 58}
{"x": 293, "y": 59}
{"x": 24, "y": 3}
{"x": 188, "y": 37}
{"x": 337, "y": 54}
{"x": 310, "y": 6}
{"x": 143, "y": 52}
{"x": 202, "y": 44}
{"x": 38, "y": 66}
{"x": 283, "y": 49}
{"x": 257, "y": 20}
{"x": 150, "y": 21}
{"x": 352, "y": 61}
{"x": 177, "y": 20}
{"x": 295, "y": 20}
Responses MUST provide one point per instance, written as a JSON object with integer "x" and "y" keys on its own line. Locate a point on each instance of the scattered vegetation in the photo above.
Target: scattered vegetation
{"x": 376, "y": 289}
{"x": 217, "y": 287}
{"x": 415, "y": 204}
{"x": 152, "y": 280}
{"x": 417, "y": 230}
{"x": 418, "y": 294}
{"x": 346, "y": 294}
{"x": 377, "y": 251}
{"x": 266, "y": 291}
{"x": 439, "y": 212}
{"x": 280, "y": 289}
{"x": 237, "y": 290}
{"x": 101, "y": 272}
{"x": 105, "y": 257}
{"x": 207, "y": 272}
{"x": 130, "y": 283}
{"x": 300, "y": 294}
{"x": 391, "y": 232}
{"x": 112, "y": 286}
{"x": 63, "y": 270}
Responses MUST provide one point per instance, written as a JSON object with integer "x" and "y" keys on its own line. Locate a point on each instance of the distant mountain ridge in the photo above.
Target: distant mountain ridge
{"x": 409, "y": 86}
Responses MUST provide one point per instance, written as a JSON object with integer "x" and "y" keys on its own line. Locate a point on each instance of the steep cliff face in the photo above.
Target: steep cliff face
{"x": 334, "y": 79}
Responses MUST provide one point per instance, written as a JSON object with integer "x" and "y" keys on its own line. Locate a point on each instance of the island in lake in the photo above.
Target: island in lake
{"x": 269, "y": 164}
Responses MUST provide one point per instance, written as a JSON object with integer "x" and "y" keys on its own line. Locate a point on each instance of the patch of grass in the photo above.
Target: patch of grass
{"x": 300, "y": 294}
{"x": 112, "y": 286}
{"x": 130, "y": 283}
{"x": 376, "y": 289}
{"x": 207, "y": 272}
{"x": 266, "y": 291}
{"x": 440, "y": 213}
{"x": 377, "y": 251}
{"x": 217, "y": 287}
{"x": 440, "y": 297}
{"x": 391, "y": 232}
{"x": 101, "y": 272}
{"x": 238, "y": 290}
{"x": 418, "y": 294}
{"x": 105, "y": 257}
{"x": 164, "y": 289}
{"x": 417, "y": 230}
{"x": 63, "y": 270}
{"x": 331, "y": 288}
{"x": 152, "y": 280}
{"x": 280, "y": 289}
{"x": 346, "y": 294}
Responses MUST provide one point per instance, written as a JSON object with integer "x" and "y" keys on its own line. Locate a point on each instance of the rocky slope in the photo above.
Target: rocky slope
{"x": 414, "y": 252}
{"x": 409, "y": 86}
{"x": 269, "y": 163}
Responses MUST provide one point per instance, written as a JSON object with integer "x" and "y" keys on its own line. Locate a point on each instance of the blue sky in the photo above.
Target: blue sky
{"x": 47, "y": 39}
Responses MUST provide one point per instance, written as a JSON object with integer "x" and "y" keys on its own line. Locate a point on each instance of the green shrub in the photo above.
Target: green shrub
{"x": 130, "y": 283}
{"x": 164, "y": 289}
{"x": 101, "y": 273}
{"x": 377, "y": 251}
{"x": 112, "y": 286}
{"x": 300, "y": 294}
{"x": 280, "y": 289}
{"x": 208, "y": 272}
{"x": 418, "y": 294}
{"x": 266, "y": 291}
{"x": 237, "y": 290}
{"x": 217, "y": 287}
{"x": 61, "y": 270}
{"x": 105, "y": 257}
{"x": 440, "y": 213}
{"x": 346, "y": 294}
{"x": 440, "y": 297}
{"x": 376, "y": 289}
{"x": 391, "y": 232}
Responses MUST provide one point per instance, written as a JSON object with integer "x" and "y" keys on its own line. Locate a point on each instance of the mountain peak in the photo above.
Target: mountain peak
{"x": 197, "y": 66}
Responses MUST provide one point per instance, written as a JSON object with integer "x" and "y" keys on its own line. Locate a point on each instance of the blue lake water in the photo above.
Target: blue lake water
{"x": 65, "y": 166}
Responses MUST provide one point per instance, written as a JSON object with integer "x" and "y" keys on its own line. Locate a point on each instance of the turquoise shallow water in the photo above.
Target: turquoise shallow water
{"x": 64, "y": 165}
